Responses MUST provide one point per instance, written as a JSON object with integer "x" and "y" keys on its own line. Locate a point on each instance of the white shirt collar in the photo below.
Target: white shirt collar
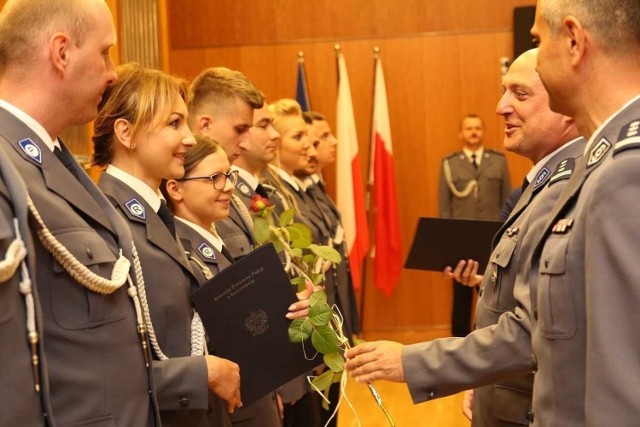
{"x": 606, "y": 122}
{"x": 316, "y": 178}
{"x": 216, "y": 241}
{"x": 151, "y": 196}
{"x": 287, "y": 178}
{"x": 538, "y": 166}
{"x": 251, "y": 179}
{"x": 31, "y": 124}
{"x": 468, "y": 153}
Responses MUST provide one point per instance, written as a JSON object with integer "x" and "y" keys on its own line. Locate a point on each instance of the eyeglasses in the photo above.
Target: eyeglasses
{"x": 219, "y": 180}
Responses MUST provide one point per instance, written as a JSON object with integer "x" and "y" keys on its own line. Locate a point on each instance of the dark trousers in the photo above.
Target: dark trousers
{"x": 461, "y": 312}
{"x": 302, "y": 413}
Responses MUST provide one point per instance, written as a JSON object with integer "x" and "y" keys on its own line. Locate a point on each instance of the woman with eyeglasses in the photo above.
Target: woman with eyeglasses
{"x": 141, "y": 136}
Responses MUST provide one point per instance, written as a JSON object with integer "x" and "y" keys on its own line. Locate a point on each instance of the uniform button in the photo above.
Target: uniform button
{"x": 184, "y": 401}
{"x": 431, "y": 394}
{"x": 529, "y": 416}
{"x": 89, "y": 253}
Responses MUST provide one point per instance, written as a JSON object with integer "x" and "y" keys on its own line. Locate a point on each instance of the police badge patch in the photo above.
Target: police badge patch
{"x": 31, "y": 149}
{"x": 541, "y": 178}
{"x": 629, "y": 137}
{"x": 598, "y": 152}
{"x": 136, "y": 209}
{"x": 206, "y": 251}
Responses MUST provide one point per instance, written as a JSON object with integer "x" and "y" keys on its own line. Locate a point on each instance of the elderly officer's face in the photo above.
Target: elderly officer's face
{"x": 530, "y": 126}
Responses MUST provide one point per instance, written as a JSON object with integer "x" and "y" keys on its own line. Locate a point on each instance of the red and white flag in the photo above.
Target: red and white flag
{"x": 350, "y": 188}
{"x": 387, "y": 262}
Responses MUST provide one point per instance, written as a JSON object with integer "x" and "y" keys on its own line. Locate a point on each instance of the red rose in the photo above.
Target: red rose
{"x": 259, "y": 203}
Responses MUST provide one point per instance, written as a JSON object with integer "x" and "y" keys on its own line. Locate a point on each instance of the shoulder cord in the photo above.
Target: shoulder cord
{"x": 244, "y": 212}
{"x": 472, "y": 186}
{"x": 79, "y": 272}
{"x": 197, "y": 336}
{"x": 15, "y": 256}
{"x": 197, "y": 328}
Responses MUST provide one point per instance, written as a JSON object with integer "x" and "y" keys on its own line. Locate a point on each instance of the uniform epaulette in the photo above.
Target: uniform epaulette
{"x": 563, "y": 171}
{"x": 494, "y": 151}
{"x": 628, "y": 138}
{"x": 451, "y": 155}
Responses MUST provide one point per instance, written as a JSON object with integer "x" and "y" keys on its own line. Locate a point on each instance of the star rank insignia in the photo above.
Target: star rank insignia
{"x": 562, "y": 226}
{"x": 597, "y": 153}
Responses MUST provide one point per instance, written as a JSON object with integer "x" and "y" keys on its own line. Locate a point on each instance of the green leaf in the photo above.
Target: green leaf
{"x": 338, "y": 376}
{"x": 309, "y": 259}
{"x": 317, "y": 278}
{"x": 294, "y": 233}
{"x": 335, "y": 362}
{"x": 320, "y": 313}
{"x": 325, "y": 403}
{"x": 286, "y": 217}
{"x": 317, "y": 296}
{"x": 296, "y": 252}
{"x": 324, "y": 340}
{"x": 261, "y": 230}
{"x": 326, "y": 252}
{"x": 299, "y": 330}
{"x": 303, "y": 229}
{"x": 323, "y": 381}
{"x": 301, "y": 243}
{"x": 298, "y": 281}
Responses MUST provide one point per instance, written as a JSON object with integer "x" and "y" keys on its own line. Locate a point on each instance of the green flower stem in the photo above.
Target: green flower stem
{"x": 285, "y": 244}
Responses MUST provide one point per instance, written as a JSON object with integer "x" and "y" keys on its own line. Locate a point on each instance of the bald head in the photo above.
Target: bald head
{"x": 27, "y": 25}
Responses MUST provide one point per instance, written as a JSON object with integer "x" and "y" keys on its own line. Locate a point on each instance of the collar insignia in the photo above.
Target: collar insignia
{"x": 629, "y": 137}
{"x": 31, "y": 149}
{"x": 564, "y": 170}
{"x": 597, "y": 153}
{"x": 206, "y": 251}
{"x": 541, "y": 177}
{"x": 244, "y": 189}
{"x": 136, "y": 209}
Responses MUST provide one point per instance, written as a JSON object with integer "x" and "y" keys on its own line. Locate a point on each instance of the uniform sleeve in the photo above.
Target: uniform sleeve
{"x": 444, "y": 194}
{"x": 181, "y": 383}
{"x": 612, "y": 292}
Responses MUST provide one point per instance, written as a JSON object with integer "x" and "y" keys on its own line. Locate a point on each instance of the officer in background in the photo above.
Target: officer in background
{"x": 474, "y": 184}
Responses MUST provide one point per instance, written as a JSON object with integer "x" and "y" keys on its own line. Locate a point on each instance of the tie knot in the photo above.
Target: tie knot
{"x": 167, "y": 217}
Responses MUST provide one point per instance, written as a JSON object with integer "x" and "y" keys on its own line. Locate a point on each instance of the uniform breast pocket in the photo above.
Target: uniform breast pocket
{"x": 74, "y": 306}
{"x": 498, "y": 291}
{"x": 555, "y": 304}
{"x": 237, "y": 243}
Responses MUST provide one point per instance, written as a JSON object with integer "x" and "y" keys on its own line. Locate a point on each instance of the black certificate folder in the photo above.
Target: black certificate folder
{"x": 441, "y": 242}
{"x": 243, "y": 309}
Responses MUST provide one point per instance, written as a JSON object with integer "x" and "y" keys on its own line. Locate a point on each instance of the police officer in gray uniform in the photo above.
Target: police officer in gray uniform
{"x": 474, "y": 184}
{"x": 24, "y": 388}
{"x": 585, "y": 297}
{"x": 53, "y": 78}
{"x": 500, "y": 350}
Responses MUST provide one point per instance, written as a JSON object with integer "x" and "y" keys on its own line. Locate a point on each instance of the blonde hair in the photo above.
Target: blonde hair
{"x": 214, "y": 87}
{"x": 25, "y": 25}
{"x": 141, "y": 96}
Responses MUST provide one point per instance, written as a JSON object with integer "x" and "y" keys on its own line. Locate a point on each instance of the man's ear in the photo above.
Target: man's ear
{"x": 576, "y": 37}
{"x": 59, "y": 51}
{"x": 174, "y": 190}
{"x": 203, "y": 124}
{"x": 123, "y": 132}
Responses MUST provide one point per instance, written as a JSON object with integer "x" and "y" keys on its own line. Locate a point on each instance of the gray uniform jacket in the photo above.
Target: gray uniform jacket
{"x": 494, "y": 186}
{"x": 587, "y": 293}
{"x": 21, "y": 405}
{"x": 236, "y": 231}
{"x": 93, "y": 350}
{"x": 500, "y": 348}
{"x": 181, "y": 380}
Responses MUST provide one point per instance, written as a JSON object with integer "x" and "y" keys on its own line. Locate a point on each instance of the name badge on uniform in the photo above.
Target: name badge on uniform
{"x": 31, "y": 149}
{"x": 562, "y": 226}
{"x": 206, "y": 251}
{"x": 136, "y": 209}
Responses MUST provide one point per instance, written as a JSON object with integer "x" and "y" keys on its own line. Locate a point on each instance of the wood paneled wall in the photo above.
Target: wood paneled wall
{"x": 440, "y": 58}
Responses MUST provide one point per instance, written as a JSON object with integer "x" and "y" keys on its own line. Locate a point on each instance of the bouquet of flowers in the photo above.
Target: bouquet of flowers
{"x": 306, "y": 263}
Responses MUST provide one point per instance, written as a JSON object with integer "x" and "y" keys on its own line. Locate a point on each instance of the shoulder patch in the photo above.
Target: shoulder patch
{"x": 31, "y": 149}
{"x": 541, "y": 178}
{"x": 206, "y": 251}
{"x": 244, "y": 189}
{"x": 136, "y": 209}
{"x": 563, "y": 171}
{"x": 628, "y": 138}
{"x": 450, "y": 155}
{"x": 598, "y": 152}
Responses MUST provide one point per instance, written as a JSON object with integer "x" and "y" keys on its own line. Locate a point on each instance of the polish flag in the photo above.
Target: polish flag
{"x": 387, "y": 256}
{"x": 350, "y": 188}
